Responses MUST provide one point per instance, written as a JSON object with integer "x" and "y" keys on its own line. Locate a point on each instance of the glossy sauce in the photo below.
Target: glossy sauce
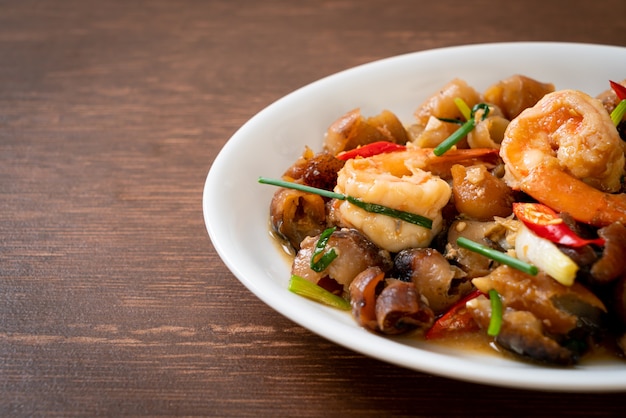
{"x": 481, "y": 343}
{"x": 473, "y": 342}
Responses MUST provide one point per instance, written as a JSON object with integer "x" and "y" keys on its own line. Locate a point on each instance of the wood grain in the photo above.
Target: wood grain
{"x": 112, "y": 298}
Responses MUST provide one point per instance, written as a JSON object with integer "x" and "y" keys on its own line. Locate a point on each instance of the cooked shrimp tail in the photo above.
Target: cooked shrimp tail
{"x": 558, "y": 190}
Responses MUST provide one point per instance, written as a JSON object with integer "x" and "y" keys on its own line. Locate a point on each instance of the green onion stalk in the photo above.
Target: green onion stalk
{"x": 618, "y": 113}
{"x": 305, "y": 288}
{"x": 465, "y": 129}
{"x": 498, "y": 256}
{"x": 495, "y": 323}
{"x": 369, "y": 207}
{"x": 321, "y": 258}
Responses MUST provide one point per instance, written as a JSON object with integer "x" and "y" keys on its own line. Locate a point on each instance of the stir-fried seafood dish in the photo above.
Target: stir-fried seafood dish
{"x": 498, "y": 214}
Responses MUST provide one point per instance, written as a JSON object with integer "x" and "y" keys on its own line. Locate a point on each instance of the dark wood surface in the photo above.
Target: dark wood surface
{"x": 112, "y": 298}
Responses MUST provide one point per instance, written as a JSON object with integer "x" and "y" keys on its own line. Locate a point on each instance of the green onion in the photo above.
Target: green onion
{"x": 618, "y": 113}
{"x": 498, "y": 256}
{"x": 369, "y": 207}
{"x": 320, "y": 259}
{"x": 394, "y": 213}
{"x": 495, "y": 323}
{"x": 303, "y": 287}
{"x": 302, "y": 188}
{"x": 463, "y": 108}
{"x": 484, "y": 106}
{"x": 460, "y": 133}
{"x": 453, "y": 139}
{"x": 324, "y": 261}
{"x": 448, "y": 120}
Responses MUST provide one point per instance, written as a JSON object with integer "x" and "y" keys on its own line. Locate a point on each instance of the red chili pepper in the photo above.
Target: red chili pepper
{"x": 456, "y": 319}
{"x": 547, "y": 224}
{"x": 372, "y": 149}
{"x": 619, "y": 90}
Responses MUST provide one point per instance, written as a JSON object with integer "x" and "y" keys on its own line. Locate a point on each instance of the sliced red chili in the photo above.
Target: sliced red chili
{"x": 547, "y": 224}
{"x": 456, "y": 319}
{"x": 370, "y": 150}
{"x": 619, "y": 90}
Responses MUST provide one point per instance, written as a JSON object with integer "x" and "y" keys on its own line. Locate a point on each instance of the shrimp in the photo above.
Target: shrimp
{"x": 399, "y": 180}
{"x": 566, "y": 153}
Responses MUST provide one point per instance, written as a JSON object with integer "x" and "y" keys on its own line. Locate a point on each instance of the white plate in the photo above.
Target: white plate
{"x": 236, "y": 206}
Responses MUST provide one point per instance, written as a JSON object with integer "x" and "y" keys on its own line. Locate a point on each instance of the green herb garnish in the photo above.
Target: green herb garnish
{"x": 463, "y": 108}
{"x": 618, "y": 113}
{"x": 413, "y": 218}
{"x": 321, "y": 258}
{"x": 394, "y": 213}
{"x": 498, "y": 256}
{"x": 465, "y": 129}
{"x": 495, "y": 323}
{"x": 303, "y": 287}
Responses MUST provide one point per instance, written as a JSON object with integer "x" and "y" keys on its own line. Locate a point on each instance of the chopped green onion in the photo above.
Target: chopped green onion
{"x": 324, "y": 261}
{"x": 394, "y": 213}
{"x": 448, "y": 120}
{"x": 545, "y": 255}
{"x": 485, "y": 108}
{"x": 303, "y": 287}
{"x": 463, "y": 108}
{"x": 302, "y": 188}
{"x": 495, "y": 323}
{"x": 323, "y": 240}
{"x": 498, "y": 256}
{"x": 618, "y": 113}
{"x": 453, "y": 139}
{"x": 320, "y": 259}
{"x": 369, "y": 207}
{"x": 460, "y": 133}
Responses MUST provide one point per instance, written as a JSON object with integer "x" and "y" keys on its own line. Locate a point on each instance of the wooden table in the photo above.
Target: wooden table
{"x": 112, "y": 298}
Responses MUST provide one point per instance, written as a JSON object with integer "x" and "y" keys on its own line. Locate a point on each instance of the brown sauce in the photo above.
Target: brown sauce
{"x": 480, "y": 343}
